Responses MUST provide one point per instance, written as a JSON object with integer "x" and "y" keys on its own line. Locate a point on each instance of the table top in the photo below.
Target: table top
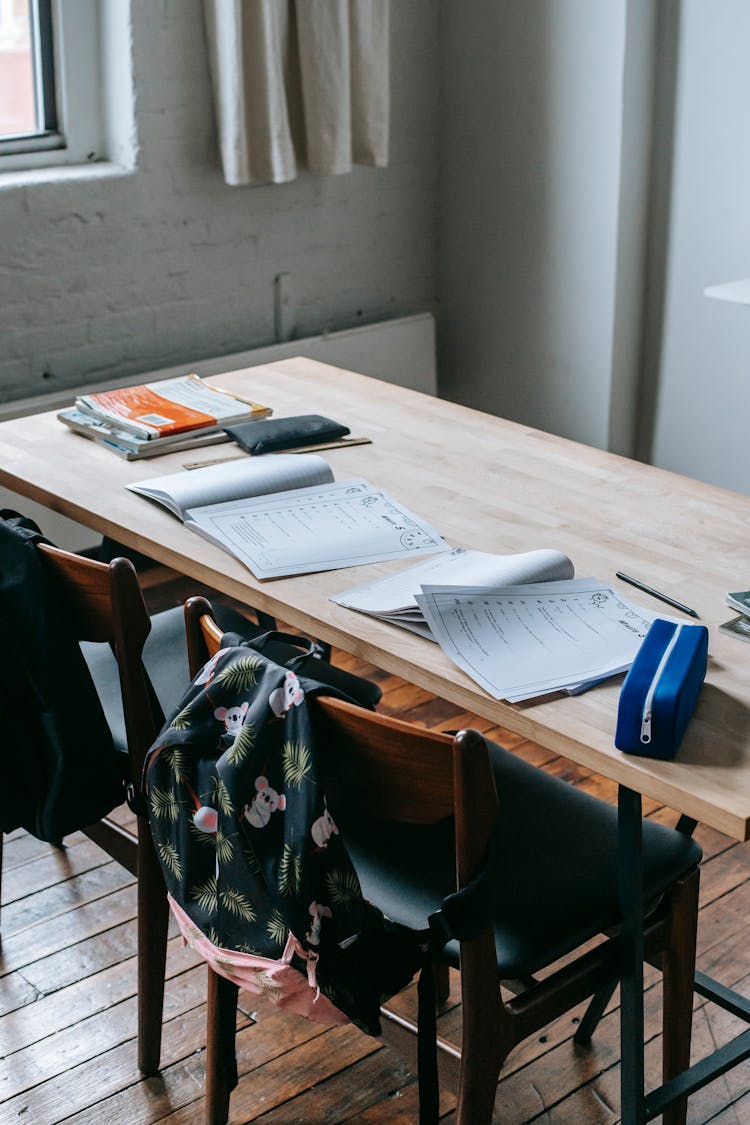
{"x": 485, "y": 483}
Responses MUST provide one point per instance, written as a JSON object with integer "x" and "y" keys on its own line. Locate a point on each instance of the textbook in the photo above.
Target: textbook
{"x": 129, "y": 445}
{"x": 739, "y": 601}
{"x": 739, "y": 626}
{"x": 168, "y": 407}
{"x": 283, "y": 514}
{"x": 394, "y": 598}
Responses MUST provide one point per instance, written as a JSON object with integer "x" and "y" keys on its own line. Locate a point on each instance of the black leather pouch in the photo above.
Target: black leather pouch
{"x": 270, "y": 434}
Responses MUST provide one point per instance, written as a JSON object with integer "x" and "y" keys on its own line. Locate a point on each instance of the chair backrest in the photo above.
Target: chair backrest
{"x": 103, "y": 602}
{"x": 388, "y": 768}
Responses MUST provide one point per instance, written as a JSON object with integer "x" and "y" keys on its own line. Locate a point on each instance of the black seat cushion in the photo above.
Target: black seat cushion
{"x": 556, "y": 883}
{"x": 165, "y": 658}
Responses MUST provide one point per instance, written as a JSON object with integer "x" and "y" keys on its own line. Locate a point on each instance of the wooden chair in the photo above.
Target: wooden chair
{"x": 417, "y": 810}
{"x": 139, "y": 667}
{"x": 104, "y": 607}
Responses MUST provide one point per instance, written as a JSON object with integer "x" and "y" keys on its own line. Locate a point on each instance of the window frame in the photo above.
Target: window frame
{"x": 68, "y": 39}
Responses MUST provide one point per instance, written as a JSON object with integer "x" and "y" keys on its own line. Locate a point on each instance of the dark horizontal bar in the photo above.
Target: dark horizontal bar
{"x": 699, "y": 1075}
{"x": 725, "y": 997}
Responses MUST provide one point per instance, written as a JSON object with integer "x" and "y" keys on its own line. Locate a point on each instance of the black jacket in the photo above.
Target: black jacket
{"x": 60, "y": 771}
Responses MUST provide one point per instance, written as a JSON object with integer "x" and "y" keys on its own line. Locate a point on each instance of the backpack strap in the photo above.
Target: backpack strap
{"x": 276, "y": 636}
{"x": 283, "y": 648}
{"x": 427, "y": 1049}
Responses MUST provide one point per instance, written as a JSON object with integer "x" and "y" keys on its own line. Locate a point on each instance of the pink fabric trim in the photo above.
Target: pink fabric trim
{"x": 284, "y": 985}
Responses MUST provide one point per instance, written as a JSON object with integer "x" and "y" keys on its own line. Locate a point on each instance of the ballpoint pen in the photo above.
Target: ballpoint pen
{"x": 655, "y": 593}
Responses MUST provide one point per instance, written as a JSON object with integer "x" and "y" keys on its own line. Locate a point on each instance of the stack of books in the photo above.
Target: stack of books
{"x": 738, "y": 626}
{"x": 163, "y": 417}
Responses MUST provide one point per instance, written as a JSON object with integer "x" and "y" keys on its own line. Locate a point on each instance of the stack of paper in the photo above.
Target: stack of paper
{"x": 520, "y": 625}
{"x": 518, "y": 642}
{"x": 394, "y": 598}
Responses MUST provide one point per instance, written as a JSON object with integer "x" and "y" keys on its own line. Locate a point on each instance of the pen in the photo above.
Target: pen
{"x": 655, "y": 593}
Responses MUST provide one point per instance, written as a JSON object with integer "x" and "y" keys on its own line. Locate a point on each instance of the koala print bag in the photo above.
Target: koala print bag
{"x": 258, "y": 877}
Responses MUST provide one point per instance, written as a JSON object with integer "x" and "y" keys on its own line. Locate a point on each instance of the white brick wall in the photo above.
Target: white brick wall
{"x": 104, "y": 276}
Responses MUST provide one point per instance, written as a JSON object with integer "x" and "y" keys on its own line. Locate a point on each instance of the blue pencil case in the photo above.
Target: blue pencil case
{"x": 661, "y": 689}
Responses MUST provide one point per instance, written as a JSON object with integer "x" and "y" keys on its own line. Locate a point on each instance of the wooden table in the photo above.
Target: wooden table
{"x": 495, "y": 486}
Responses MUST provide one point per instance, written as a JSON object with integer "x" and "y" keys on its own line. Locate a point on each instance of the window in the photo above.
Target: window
{"x": 50, "y": 89}
{"x": 28, "y": 103}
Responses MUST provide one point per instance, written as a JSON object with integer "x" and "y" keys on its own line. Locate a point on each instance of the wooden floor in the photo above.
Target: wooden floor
{"x": 67, "y": 1005}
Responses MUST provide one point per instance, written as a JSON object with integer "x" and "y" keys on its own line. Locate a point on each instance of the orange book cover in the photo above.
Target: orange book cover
{"x": 141, "y": 404}
{"x": 172, "y": 406}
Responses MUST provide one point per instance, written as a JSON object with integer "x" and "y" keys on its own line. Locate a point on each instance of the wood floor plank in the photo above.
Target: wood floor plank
{"x": 736, "y": 1114}
{"x": 16, "y": 992}
{"x": 400, "y": 1107}
{"x": 50, "y": 868}
{"x": 89, "y": 1037}
{"x": 176, "y": 1095}
{"x": 283, "y": 1078}
{"x": 95, "y": 993}
{"x": 81, "y": 959}
{"x": 19, "y": 847}
{"x": 348, "y": 1095}
{"x": 33, "y": 944}
{"x": 85, "y": 1086}
{"x": 55, "y": 899}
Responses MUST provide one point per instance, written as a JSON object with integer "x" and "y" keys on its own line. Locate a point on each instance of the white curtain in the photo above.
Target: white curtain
{"x": 298, "y": 84}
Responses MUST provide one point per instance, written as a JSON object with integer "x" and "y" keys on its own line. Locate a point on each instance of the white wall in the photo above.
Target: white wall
{"x": 576, "y": 242}
{"x": 702, "y": 395}
{"x": 102, "y": 276}
{"x": 530, "y": 163}
{"x": 514, "y": 205}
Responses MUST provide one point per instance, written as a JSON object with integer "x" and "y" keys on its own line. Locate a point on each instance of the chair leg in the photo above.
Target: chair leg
{"x": 678, "y": 973}
{"x": 486, "y": 1040}
{"x": 442, "y": 982}
{"x": 594, "y": 1013}
{"x": 153, "y": 922}
{"x": 221, "y": 1066}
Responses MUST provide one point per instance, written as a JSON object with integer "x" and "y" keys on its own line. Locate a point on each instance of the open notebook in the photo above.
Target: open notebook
{"x": 283, "y": 514}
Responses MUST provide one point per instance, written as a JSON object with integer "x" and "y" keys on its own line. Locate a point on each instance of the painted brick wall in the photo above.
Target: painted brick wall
{"x": 102, "y": 277}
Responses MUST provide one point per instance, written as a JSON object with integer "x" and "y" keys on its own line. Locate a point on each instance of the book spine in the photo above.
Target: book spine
{"x": 141, "y": 430}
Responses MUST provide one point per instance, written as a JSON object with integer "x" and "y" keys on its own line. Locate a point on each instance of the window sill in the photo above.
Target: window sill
{"x": 62, "y": 174}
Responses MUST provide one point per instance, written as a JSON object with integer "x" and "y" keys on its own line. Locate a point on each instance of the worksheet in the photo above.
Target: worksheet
{"x": 518, "y": 642}
{"x": 303, "y": 530}
{"x": 393, "y": 598}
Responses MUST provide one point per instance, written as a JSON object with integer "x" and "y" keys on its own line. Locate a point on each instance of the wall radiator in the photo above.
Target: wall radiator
{"x": 400, "y": 351}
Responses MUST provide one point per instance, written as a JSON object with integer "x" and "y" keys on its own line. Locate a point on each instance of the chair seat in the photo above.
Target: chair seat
{"x": 556, "y": 884}
{"x": 165, "y": 659}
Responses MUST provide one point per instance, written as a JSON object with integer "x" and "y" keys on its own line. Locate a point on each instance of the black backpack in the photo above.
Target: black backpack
{"x": 61, "y": 771}
{"x": 252, "y": 859}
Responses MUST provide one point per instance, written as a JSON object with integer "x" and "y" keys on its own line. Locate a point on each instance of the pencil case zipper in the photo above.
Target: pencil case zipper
{"x": 648, "y": 701}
